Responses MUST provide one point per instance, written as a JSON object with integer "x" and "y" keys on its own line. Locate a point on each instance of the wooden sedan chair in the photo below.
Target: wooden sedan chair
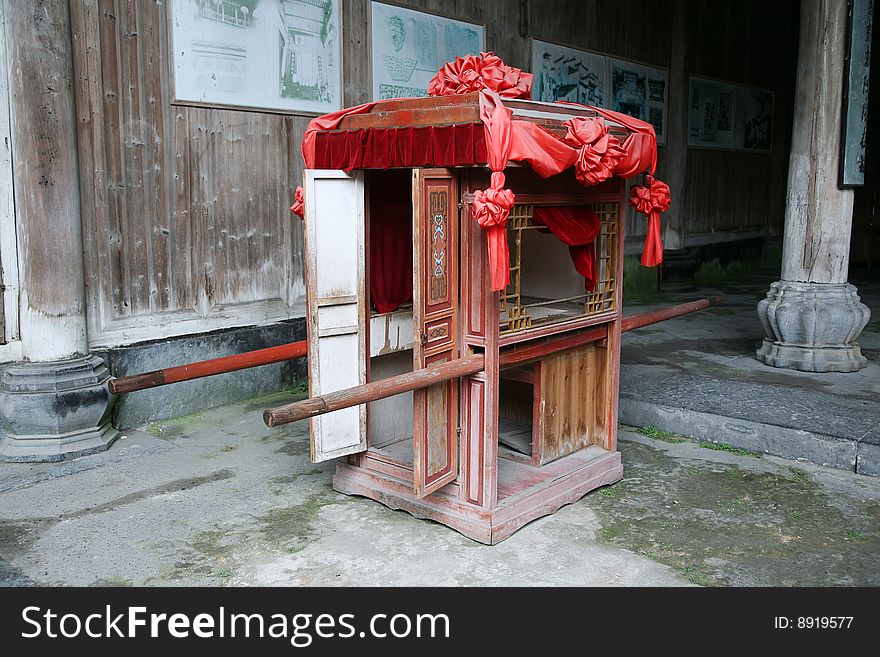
{"x": 521, "y": 417}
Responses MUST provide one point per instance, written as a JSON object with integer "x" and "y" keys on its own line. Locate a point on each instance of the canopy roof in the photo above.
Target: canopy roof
{"x": 451, "y": 131}
{"x": 476, "y": 115}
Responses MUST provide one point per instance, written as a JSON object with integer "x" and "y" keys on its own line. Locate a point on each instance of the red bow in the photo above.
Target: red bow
{"x": 491, "y": 209}
{"x": 298, "y": 207}
{"x": 600, "y": 151}
{"x": 472, "y": 73}
{"x": 651, "y": 201}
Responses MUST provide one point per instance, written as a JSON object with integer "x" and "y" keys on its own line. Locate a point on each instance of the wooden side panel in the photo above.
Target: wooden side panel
{"x": 337, "y": 306}
{"x": 575, "y": 402}
{"x": 479, "y": 395}
{"x": 435, "y": 315}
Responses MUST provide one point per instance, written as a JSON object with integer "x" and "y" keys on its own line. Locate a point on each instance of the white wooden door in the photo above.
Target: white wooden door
{"x": 334, "y": 244}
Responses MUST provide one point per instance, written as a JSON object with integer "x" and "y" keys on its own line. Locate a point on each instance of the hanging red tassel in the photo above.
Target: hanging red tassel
{"x": 651, "y": 200}
{"x": 491, "y": 208}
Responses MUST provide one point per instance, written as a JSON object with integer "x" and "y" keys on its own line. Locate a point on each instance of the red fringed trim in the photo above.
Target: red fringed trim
{"x": 651, "y": 200}
{"x": 388, "y": 148}
{"x": 472, "y": 73}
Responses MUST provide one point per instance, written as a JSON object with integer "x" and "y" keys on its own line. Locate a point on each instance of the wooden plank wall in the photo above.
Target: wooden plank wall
{"x": 186, "y": 209}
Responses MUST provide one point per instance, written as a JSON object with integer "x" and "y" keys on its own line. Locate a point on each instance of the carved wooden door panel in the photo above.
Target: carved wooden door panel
{"x": 435, "y": 317}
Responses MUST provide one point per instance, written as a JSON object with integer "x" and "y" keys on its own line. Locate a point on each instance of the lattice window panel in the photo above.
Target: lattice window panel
{"x": 515, "y": 315}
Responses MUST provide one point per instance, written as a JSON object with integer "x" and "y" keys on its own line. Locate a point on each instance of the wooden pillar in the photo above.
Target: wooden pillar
{"x": 812, "y": 317}
{"x": 52, "y": 302}
{"x": 818, "y": 214}
{"x": 55, "y": 404}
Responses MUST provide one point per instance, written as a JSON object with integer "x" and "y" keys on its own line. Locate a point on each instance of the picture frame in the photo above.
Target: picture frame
{"x": 569, "y": 74}
{"x": 408, "y": 47}
{"x": 856, "y": 83}
{"x": 724, "y": 115}
{"x": 641, "y": 91}
{"x": 277, "y": 56}
{"x": 588, "y": 77}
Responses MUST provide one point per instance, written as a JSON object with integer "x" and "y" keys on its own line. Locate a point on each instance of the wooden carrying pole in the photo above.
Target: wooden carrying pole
{"x": 433, "y": 374}
{"x": 209, "y": 367}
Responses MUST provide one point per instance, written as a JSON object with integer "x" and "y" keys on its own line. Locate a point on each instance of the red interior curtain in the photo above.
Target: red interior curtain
{"x": 578, "y": 226}
{"x": 391, "y": 239}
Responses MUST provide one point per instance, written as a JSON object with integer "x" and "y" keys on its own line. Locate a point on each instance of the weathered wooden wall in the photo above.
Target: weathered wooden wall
{"x": 186, "y": 209}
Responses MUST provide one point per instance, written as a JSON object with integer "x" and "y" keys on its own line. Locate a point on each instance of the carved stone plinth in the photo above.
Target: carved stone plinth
{"x": 55, "y": 410}
{"x": 812, "y": 327}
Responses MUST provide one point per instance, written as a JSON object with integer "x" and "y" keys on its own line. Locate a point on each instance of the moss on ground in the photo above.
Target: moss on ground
{"x": 720, "y": 524}
{"x": 209, "y": 555}
{"x": 289, "y": 528}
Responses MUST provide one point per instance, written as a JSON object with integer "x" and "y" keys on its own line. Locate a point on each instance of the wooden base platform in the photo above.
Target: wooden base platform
{"x": 525, "y": 492}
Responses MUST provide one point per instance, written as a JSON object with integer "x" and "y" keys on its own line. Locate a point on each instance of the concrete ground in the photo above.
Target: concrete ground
{"x": 219, "y": 499}
{"x": 697, "y": 375}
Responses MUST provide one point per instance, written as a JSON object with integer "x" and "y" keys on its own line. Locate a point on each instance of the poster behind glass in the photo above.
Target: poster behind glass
{"x": 409, "y": 47}
{"x": 269, "y": 54}
{"x": 561, "y": 73}
{"x": 641, "y": 92}
{"x": 729, "y": 116}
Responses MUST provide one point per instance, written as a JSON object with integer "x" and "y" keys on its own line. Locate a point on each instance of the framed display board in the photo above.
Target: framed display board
{"x": 277, "y": 55}
{"x": 729, "y": 116}
{"x": 593, "y": 78}
{"x": 408, "y": 47}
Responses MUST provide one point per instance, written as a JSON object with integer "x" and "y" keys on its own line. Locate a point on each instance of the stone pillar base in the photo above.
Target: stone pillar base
{"x": 55, "y": 410}
{"x": 812, "y": 327}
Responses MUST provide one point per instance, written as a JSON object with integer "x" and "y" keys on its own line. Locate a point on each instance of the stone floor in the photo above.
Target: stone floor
{"x": 697, "y": 375}
{"x": 219, "y": 499}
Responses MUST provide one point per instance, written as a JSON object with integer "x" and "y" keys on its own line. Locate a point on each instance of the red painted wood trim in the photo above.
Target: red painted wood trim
{"x": 210, "y": 367}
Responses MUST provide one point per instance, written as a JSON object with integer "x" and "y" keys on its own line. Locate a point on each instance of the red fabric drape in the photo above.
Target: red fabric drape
{"x": 503, "y": 139}
{"x": 488, "y": 71}
{"x": 577, "y": 226}
{"x": 491, "y": 207}
{"x": 651, "y": 200}
{"x": 548, "y": 155}
{"x": 391, "y": 245}
{"x": 298, "y": 208}
{"x": 599, "y": 152}
{"x": 326, "y": 122}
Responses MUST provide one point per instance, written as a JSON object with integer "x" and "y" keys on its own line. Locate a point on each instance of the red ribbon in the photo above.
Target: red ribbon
{"x": 600, "y": 151}
{"x": 298, "y": 207}
{"x": 651, "y": 201}
{"x": 472, "y": 73}
{"x": 491, "y": 208}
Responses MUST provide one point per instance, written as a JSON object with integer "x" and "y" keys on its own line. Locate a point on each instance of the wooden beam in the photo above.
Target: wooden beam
{"x": 210, "y": 367}
{"x": 653, "y": 316}
{"x": 393, "y": 385}
{"x": 433, "y": 374}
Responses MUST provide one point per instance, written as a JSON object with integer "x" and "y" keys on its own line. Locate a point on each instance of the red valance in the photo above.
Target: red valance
{"x": 577, "y": 226}
{"x": 385, "y": 148}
